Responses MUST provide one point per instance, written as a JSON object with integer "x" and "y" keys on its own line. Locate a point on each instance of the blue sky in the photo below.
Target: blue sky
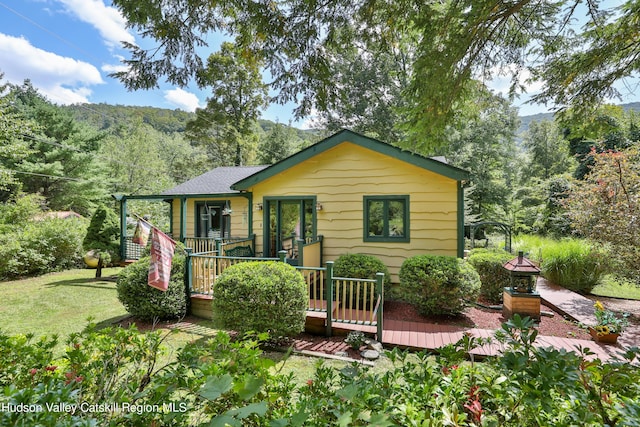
{"x": 67, "y": 48}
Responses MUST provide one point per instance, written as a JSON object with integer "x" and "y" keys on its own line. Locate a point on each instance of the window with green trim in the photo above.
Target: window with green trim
{"x": 386, "y": 218}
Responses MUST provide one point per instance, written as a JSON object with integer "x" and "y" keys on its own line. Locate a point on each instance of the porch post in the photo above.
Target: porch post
{"x": 380, "y": 291}
{"x": 123, "y": 228}
{"x": 188, "y": 277}
{"x": 282, "y": 255}
{"x": 183, "y": 219}
{"x": 329, "y": 280}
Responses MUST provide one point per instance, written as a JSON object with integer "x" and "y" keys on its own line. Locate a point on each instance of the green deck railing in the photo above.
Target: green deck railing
{"x": 343, "y": 299}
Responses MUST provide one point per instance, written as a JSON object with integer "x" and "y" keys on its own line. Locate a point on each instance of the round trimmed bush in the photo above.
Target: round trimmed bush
{"x": 438, "y": 284}
{"x": 261, "y": 296}
{"x": 361, "y": 266}
{"x": 147, "y": 303}
{"x": 493, "y": 276}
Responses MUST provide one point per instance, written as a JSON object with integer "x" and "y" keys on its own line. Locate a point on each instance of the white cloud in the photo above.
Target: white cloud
{"x": 182, "y": 99}
{"x": 107, "y": 20}
{"x": 502, "y": 81}
{"x": 61, "y": 79}
{"x": 112, "y": 68}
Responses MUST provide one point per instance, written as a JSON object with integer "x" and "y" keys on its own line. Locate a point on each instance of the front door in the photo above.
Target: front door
{"x": 289, "y": 219}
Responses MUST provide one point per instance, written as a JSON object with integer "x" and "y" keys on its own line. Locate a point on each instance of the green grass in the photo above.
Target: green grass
{"x": 59, "y": 303}
{"x": 612, "y": 287}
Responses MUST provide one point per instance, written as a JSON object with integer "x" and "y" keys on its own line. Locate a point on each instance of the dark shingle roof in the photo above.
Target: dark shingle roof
{"x": 216, "y": 181}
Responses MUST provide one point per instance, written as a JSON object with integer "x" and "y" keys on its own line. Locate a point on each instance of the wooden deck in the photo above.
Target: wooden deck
{"x": 427, "y": 336}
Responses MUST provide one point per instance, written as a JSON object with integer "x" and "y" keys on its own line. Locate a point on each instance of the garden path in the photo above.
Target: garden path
{"x": 580, "y": 309}
{"x": 416, "y": 335}
{"x": 566, "y": 302}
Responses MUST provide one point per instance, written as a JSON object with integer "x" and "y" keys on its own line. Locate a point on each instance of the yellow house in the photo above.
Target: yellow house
{"x": 348, "y": 192}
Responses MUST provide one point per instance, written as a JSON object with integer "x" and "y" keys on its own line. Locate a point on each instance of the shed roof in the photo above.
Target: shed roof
{"x": 216, "y": 181}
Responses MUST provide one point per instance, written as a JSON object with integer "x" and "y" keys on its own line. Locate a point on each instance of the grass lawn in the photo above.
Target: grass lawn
{"x": 59, "y": 303}
{"x": 611, "y": 287}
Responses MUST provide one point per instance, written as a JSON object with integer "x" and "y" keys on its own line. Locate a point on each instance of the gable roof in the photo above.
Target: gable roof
{"x": 216, "y": 181}
{"x": 345, "y": 135}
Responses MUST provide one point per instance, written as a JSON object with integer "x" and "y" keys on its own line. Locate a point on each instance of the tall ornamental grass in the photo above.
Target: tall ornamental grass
{"x": 575, "y": 264}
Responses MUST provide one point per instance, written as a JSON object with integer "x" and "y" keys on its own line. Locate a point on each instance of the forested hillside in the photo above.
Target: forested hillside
{"x": 106, "y": 116}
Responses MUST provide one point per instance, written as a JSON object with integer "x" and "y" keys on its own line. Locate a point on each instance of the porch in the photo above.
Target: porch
{"x": 355, "y": 304}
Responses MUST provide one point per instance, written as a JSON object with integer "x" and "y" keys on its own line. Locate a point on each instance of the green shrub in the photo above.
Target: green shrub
{"x": 493, "y": 276}
{"x": 145, "y": 302}
{"x": 361, "y": 266}
{"x": 103, "y": 235}
{"x": 231, "y": 382}
{"x": 438, "y": 284}
{"x": 41, "y": 247}
{"x": 575, "y": 264}
{"x": 262, "y": 297}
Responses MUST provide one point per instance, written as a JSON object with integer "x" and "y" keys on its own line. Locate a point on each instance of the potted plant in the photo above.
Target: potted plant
{"x": 609, "y": 326}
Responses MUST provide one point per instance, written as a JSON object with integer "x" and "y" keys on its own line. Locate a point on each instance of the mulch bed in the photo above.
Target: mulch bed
{"x": 472, "y": 317}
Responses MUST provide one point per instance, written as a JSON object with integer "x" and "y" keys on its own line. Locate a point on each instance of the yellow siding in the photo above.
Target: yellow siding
{"x": 341, "y": 176}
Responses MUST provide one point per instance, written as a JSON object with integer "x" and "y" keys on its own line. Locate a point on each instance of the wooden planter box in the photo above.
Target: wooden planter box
{"x": 605, "y": 339}
{"x": 522, "y": 303}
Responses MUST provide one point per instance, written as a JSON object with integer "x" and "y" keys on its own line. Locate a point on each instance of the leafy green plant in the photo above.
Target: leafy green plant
{"x": 493, "y": 276}
{"x": 145, "y": 302}
{"x": 438, "y": 284}
{"x": 355, "y": 339}
{"x": 607, "y": 322}
{"x": 41, "y": 247}
{"x": 223, "y": 381}
{"x": 362, "y": 266}
{"x": 575, "y": 264}
{"x": 263, "y": 297}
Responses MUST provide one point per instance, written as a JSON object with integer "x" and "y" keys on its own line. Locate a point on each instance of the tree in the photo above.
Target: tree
{"x": 581, "y": 69}
{"x": 135, "y": 158}
{"x": 548, "y": 151}
{"x": 13, "y": 147}
{"x": 367, "y": 93}
{"x": 606, "y": 207}
{"x": 607, "y": 128}
{"x": 61, "y": 163}
{"x": 485, "y": 147}
{"x": 276, "y": 145}
{"x": 457, "y": 43}
{"x": 238, "y": 95}
{"x": 103, "y": 237}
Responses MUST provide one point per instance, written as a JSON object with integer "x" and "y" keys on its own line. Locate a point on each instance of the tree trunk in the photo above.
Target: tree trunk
{"x": 99, "y": 267}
